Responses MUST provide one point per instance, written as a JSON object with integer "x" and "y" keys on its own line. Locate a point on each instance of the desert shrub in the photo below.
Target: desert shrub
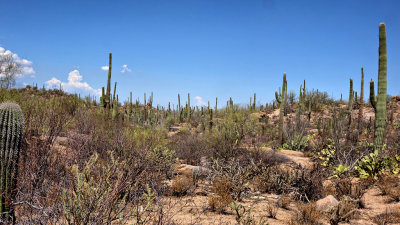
{"x": 303, "y": 184}
{"x": 346, "y": 186}
{"x": 234, "y": 173}
{"x": 42, "y": 162}
{"x": 343, "y": 212}
{"x": 242, "y": 169}
{"x": 181, "y": 185}
{"x": 308, "y": 183}
{"x": 306, "y": 214}
{"x": 244, "y": 217}
{"x": 99, "y": 192}
{"x": 295, "y": 135}
{"x": 190, "y": 148}
{"x": 222, "y": 187}
{"x": 297, "y": 143}
{"x": 276, "y": 180}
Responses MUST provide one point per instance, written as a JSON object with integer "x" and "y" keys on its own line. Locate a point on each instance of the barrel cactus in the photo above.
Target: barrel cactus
{"x": 11, "y": 126}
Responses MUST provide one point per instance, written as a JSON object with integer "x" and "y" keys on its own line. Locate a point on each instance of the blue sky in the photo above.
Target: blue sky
{"x": 223, "y": 48}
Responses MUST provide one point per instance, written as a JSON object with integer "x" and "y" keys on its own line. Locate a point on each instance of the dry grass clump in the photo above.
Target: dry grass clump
{"x": 342, "y": 212}
{"x": 306, "y": 214}
{"x": 390, "y": 186}
{"x": 222, "y": 188}
{"x": 272, "y": 210}
{"x": 285, "y": 201}
{"x": 181, "y": 185}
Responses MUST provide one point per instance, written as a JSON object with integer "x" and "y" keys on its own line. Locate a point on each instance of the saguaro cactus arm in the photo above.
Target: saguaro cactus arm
{"x": 372, "y": 98}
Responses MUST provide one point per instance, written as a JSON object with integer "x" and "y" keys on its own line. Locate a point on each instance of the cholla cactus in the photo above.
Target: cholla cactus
{"x": 11, "y": 126}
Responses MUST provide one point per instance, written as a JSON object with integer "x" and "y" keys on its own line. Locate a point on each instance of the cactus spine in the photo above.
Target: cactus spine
{"x": 11, "y": 126}
{"x": 281, "y": 99}
{"x": 379, "y": 102}
{"x": 107, "y": 100}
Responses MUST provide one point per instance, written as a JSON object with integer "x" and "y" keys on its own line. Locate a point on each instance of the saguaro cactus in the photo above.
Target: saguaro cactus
{"x": 188, "y": 109}
{"x": 254, "y": 102}
{"x": 11, "y": 126}
{"x": 107, "y": 100}
{"x": 379, "y": 102}
{"x": 102, "y": 98}
{"x": 216, "y": 106}
{"x": 360, "y": 110}
{"x": 281, "y": 99}
{"x": 351, "y": 99}
{"x": 350, "y": 109}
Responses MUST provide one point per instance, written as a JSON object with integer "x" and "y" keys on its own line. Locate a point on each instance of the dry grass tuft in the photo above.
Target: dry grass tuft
{"x": 181, "y": 185}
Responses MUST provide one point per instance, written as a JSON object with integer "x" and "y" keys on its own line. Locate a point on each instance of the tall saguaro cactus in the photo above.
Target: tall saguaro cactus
{"x": 351, "y": 100}
{"x": 281, "y": 99}
{"x": 254, "y": 102}
{"x": 107, "y": 100}
{"x": 115, "y": 90}
{"x": 11, "y": 126}
{"x": 360, "y": 111}
{"x": 379, "y": 102}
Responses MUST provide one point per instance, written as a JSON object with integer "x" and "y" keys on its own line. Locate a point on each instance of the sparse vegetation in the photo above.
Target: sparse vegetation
{"x": 72, "y": 160}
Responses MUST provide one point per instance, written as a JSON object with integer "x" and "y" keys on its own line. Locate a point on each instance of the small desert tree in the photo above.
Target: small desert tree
{"x": 9, "y": 69}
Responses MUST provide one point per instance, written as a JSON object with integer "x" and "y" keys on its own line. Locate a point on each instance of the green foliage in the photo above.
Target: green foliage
{"x": 375, "y": 164}
{"x": 370, "y": 166}
{"x": 327, "y": 154}
{"x": 339, "y": 170}
{"x": 298, "y": 143}
{"x": 11, "y": 127}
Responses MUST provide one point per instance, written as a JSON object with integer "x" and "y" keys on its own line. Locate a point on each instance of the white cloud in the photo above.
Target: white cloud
{"x": 199, "y": 101}
{"x": 53, "y": 83}
{"x": 105, "y": 68}
{"x": 26, "y": 65}
{"x": 125, "y": 69}
{"x": 74, "y": 84}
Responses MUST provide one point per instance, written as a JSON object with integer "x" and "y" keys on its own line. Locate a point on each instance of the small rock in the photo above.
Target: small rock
{"x": 326, "y": 203}
{"x": 189, "y": 170}
{"x": 258, "y": 197}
